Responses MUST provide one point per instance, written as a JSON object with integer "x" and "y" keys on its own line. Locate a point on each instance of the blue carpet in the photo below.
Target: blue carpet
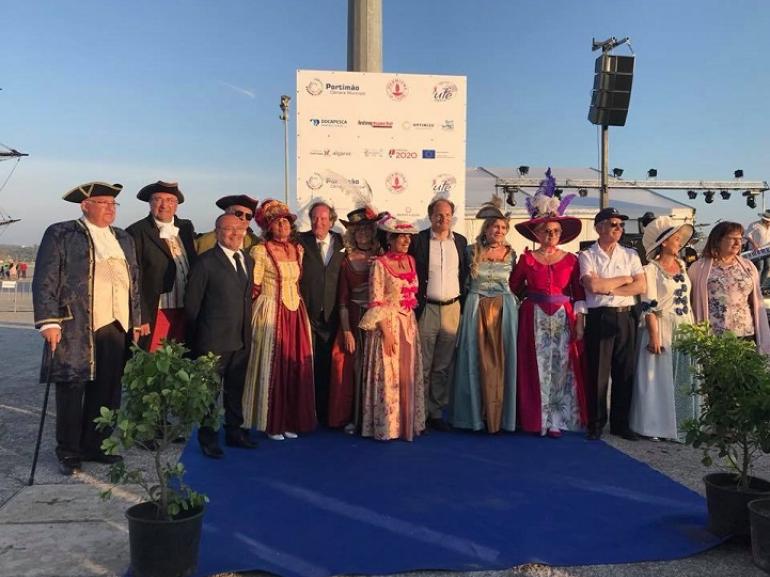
{"x": 330, "y": 504}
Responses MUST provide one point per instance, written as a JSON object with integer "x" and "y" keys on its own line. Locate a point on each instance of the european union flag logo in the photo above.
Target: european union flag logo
{"x": 428, "y": 153}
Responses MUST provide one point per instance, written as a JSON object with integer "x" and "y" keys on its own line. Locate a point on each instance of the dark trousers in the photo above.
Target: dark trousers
{"x": 322, "y": 366}
{"x": 232, "y": 369}
{"x": 78, "y": 403}
{"x": 610, "y": 345}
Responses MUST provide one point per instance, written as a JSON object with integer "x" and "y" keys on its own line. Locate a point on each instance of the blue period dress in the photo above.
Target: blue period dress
{"x": 484, "y": 388}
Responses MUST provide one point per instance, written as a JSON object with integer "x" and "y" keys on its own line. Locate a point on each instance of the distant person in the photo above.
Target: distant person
{"x": 725, "y": 288}
{"x": 324, "y": 253}
{"x": 165, "y": 251}
{"x": 612, "y": 276}
{"x": 243, "y": 207}
{"x": 22, "y": 267}
{"x": 758, "y": 236}
{"x": 217, "y": 317}
{"x": 86, "y": 300}
{"x": 442, "y": 269}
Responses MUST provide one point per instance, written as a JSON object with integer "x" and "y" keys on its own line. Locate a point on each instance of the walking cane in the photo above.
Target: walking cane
{"x": 42, "y": 415}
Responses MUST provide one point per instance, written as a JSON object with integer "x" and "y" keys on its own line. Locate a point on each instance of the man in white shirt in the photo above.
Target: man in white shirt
{"x": 440, "y": 259}
{"x": 86, "y": 302}
{"x": 758, "y": 235}
{"x": 612, "y": 276}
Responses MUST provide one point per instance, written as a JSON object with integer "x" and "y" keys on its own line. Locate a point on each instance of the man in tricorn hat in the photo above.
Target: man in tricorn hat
{"x": 165, "y": 251}
{"x": 86, "y": 301}
{"x": 242, "y": 206}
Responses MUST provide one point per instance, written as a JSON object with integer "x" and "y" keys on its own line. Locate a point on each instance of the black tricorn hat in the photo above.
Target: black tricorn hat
{"x": 89, "y": 189}
{"x": 239, "y": 199}
{"x": 168, "y": 187}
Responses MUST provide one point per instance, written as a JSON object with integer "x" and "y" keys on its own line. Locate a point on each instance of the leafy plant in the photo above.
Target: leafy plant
{"x": 734, "y": 385}
{"x": 165, "y": 394}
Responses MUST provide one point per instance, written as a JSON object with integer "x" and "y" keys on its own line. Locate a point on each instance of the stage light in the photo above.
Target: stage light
{"x": 738, "y": 173}
{"x": 709, "y": 194}
{"x": 751, "y": 202}
{"x": 557, "y": 193}
{"x": 692, "y": 195}
{"x": 582, "y": 192}
{"x": 509, "y": 195}
{"x": 523, "y": 170}
{"x": 725, "y": 194}
{"x": 652, "y": 173}
{"x": 617, "y": 172}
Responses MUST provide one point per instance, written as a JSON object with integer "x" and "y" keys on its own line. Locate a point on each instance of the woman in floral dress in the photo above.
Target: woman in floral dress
{"x": 393, "y": 393}
{"x": 279, "y": 394}
{"x": 725, "y": 288}
{"x": 484, "y": 387}
{"x": 551, "y": 390}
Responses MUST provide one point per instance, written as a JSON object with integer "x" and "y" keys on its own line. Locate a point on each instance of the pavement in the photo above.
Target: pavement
{"x": 60, "y": 527}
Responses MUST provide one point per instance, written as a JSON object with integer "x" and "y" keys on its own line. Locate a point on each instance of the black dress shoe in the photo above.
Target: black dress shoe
{"x": 212, "y": 451}
{"x": 102, "y": 458}
{"x": 68, "y": 465}
{"x": 240, "y": 441}
{"x": 439, "y": 424}
{"x": 594, "y": 435}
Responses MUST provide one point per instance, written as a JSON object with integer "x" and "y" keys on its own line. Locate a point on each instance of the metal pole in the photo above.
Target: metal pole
{"x": 285, "y": 118}
{"x": 604, "y": 194}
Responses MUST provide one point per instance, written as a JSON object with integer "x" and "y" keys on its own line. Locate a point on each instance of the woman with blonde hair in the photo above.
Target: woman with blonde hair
{"x": 484, "y": 388}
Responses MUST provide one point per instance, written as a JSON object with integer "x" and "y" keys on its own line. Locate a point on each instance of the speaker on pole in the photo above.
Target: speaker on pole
{"x": 613, "y": 77}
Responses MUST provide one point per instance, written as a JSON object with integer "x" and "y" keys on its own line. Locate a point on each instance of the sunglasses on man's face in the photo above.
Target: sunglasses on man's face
{"x": 617, "y": 225}
{"x": 242, "y": 214}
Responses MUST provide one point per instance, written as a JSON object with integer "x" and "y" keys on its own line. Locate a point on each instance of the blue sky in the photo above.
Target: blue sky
{"x": 133, "y": 92}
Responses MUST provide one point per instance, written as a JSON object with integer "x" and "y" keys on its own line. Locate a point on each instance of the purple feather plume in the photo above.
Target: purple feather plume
{"x": 547, "y": 185}
{"x": 530, "y": 207}
{"x": 565, "y": 203}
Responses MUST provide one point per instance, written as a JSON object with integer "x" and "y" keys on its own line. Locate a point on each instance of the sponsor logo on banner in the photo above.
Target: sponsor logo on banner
{"x": 329, "y": 152}
{"x": 428, "y": 153}
{"x": 342, "y": 88}
{"x": 376, "y": 123}
{"x": 374, "y": 152}
{"x": 315, "y": 181}
{"x": 448, "y": 125}
{"x": 396, "y": 182}
{"x": 329, "y": 122}
{"x": 315, "y": 87}
{"x": 407, "y": 125}
{"x": 444, "y": 91}
{"x": 444, "y": 183}
{"x": 397, "y": 89}
{"x": 402, "y": 154}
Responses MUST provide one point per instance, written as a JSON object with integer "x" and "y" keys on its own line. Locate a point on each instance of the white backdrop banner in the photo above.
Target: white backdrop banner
{"x": 395, "y": 140}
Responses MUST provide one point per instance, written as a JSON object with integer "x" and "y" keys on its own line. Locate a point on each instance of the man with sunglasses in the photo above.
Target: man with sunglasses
{"x": 165, "y": 250}
{"x": 243, "y": 207}
{"x": 86, "y": 301}
{"x": 612, "y": 276}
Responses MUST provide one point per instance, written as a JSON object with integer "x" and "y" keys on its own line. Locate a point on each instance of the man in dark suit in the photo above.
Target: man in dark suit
{"x": 218, "y": 316}
{"x": 324, "y": 253}
{"x": 442, "y": 270}
{"x": 165, "y": 251}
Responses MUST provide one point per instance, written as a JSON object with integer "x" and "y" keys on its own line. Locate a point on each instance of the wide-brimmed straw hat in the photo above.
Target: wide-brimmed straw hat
{"x": 765, "y": 215}
{"x": 544, "y": 207}
{"x": 657, "y": 231}
{"x": 389, "y": 223}
{"x": 270, "y": 210}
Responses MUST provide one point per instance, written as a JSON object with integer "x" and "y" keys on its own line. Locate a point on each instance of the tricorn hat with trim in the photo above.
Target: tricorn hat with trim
{"x": 363, "y": 215}
{"x": 90, "y": 189}
{"x": 240, "y": 200}
{"x": 145, "y": 194}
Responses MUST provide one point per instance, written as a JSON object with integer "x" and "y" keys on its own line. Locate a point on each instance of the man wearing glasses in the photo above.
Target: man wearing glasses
{"x": 86, "y": 301}
{"x": 243, "y": 207}
{"x": 165, "y": 251}
{"x": 612, "y": 276}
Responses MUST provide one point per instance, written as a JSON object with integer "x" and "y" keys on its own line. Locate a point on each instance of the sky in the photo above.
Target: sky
{"x": 188, "y": 91}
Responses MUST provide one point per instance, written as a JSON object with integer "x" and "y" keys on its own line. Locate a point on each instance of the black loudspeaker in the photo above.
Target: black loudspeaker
{"x": 611, "y": 95}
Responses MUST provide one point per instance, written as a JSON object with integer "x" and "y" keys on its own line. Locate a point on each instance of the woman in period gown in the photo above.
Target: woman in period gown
{"x": 352, "y": 297}
{"x": 279, "y": 395}
{"x": 393, "y": 404}
{"x": 550, "y": 385}
{"x": 484, "y": 387}
{"x": 663, "y": 396}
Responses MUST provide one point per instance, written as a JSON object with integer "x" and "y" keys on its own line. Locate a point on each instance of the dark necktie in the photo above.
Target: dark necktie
{"x": 239, "y": 266}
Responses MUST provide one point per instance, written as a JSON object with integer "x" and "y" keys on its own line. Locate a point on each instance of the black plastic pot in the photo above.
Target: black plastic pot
{"x": 728, "y": 506}
{"x": 163, "y": 548}
{"x": 759, "y": 511}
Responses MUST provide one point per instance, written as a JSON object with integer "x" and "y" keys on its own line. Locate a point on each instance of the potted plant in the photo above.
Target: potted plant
{"x": 165, "y": 394}
{"x": 734, "y": 387}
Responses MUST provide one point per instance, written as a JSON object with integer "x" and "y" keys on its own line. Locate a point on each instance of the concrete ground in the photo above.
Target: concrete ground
{"x": 61, "y": 528}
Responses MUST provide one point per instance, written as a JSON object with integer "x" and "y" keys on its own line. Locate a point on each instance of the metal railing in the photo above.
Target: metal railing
{"x": 16, "y": 295}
